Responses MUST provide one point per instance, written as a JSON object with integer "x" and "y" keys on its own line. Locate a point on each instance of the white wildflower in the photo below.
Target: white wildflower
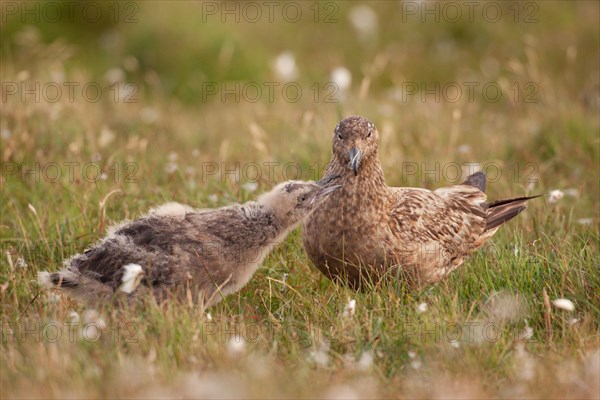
{"x": 114, "y": 75}
{"x": 73, "y": 317}
{"x": 53, "y": 298}
{"x": 320, "y": 356}
{"x": 171, "y": 167}
{"x": 106, "y": 137}
{"x": 320, "y": 353}
{"x": 250, "y": 186}
{"x": 527, "y": 333}
{"x": 564, "y": 304}
{"x": 32, "y": 208}
{"x": 422, "y": 307}
{"x": 284, "y": 279}
{"x": 130, "y": 63}
{"x": 208, "y": 317}
{"x": 572, "y": 321}
{"x": 555, "y": 196}
{"x": 236, "y": 345}
{"x": 416, "y": 364}
{"x": 285, "y": 66}
{"x": 463, "y": 149}
{"x": 131, "y": 278}
{"x": 23, "y": 75}
{"x": 342, "y": 77}
{"x": 364, "y": 20}
{"x": 21, "y": 263}
{"x": 349, "y": 309}
{"x": 411, "y": 354}
{"x": 585, "y": 221}
{"x": 365, "y": 361}
{"x": 456, "y": 114}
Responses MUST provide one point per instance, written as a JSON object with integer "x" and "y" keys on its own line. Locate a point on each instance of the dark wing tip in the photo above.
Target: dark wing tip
{"x": 478, "y": 180}
{"x": 501, "y": 211}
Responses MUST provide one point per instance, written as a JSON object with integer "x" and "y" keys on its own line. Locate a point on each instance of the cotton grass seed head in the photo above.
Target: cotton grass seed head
{"x": 555, "y": 196}
{"x": 350, "y": 309}
{"x": 564, "y": 304}
{"x": 131, "y": 277}
{"x": 236, "y": 346}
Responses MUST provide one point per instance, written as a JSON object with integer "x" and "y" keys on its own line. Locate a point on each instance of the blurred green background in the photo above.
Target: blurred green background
{"x": 155, "y": 128}
{"x": 187, "y": 43}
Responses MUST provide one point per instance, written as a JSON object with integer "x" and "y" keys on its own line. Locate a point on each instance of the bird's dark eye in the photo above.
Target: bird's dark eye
{"x": 369, "y": 134}
{"x": 339, "y": 136}
{"x": 303, "y": 198}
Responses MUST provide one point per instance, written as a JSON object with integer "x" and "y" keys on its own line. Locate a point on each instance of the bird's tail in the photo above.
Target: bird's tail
{"x": 81, "y": 287}
{"x": 500, "y": 211}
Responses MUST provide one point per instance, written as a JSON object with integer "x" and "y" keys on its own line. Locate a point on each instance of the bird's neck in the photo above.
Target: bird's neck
{"x": 362, "y": 195}
{"x": 370, "y": 175}
{"x": 261, "y": 216}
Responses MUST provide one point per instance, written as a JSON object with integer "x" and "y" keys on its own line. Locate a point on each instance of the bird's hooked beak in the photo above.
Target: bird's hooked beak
{"x": 355, "y": 156}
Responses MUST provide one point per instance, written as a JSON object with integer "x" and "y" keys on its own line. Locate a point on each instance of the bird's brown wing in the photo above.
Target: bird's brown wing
{"x": 432, "y": 231}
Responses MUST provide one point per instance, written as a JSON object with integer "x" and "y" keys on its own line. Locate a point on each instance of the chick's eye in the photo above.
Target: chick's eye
{"x": 303, "y": 198}
{"x": 369, "y": 134}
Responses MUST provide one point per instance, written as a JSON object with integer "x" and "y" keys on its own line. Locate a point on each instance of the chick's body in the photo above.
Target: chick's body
{"x": 206, "y": 253}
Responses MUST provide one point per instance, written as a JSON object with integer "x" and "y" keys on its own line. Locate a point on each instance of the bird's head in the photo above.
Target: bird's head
{"x": 293, "y": 201}
{"x": 355, "y": 142}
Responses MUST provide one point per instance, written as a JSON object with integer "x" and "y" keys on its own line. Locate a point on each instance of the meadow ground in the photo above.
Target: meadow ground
{"x": 193, "y": 107}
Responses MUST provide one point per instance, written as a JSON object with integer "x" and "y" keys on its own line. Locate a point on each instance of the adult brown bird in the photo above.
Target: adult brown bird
{"x": 367, "y": 229}
{"x": 199, "y": 254}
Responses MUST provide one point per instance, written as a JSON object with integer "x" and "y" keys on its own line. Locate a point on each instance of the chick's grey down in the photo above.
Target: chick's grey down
{"x": 367, "y": 229}
{"x": 209, "y": 253}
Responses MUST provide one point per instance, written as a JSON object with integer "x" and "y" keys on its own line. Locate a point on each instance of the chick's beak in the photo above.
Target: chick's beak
{"x": 355, "y": 156}
{"x": 327, "y": 180}
{"x": 322, "y": 193}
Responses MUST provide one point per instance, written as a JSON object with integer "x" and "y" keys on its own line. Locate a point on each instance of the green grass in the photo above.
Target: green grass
{"x": 298, "y": 342}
